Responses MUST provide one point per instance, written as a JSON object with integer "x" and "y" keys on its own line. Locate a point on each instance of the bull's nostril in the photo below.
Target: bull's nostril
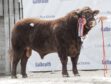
{"x": 92, "y": 23}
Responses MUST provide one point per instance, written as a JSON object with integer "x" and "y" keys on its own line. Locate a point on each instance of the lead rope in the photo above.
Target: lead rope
{"x": 103, "y": 45}
{"x": 82, "y": 22}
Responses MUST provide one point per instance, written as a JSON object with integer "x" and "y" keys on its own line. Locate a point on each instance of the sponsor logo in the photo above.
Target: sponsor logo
{"x": 106, "y": 12}
{"x": 83, "y": 63}
{"x": 106, "y": 29}
{"x": 40, "y": 1}
{"x": 41, "y": 64}
{"x": 47, "y": 16}
{"x": 66, "y": 0}
{"x": 106, "y": 62}
{"x": 106, "y": 45}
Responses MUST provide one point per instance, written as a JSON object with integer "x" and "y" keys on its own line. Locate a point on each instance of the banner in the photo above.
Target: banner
{"x": 91, "y": 53}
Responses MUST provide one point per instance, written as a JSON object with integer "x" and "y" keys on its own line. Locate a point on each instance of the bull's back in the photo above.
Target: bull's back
{"x": 37, "y": 35}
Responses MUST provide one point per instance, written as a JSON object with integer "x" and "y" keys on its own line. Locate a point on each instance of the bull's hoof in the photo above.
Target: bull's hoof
{"x": 64, "y": 75}
{"x": 13, "y": 76}
{"x": 24, "y": 76}
{"x": 77, "y": 75}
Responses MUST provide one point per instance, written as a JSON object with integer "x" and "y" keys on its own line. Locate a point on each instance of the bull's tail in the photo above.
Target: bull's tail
{"x": 10, "y": 53}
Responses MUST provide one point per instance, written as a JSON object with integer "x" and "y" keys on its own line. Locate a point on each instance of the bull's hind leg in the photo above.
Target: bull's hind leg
{"x": 15, "y": 61}
{"x": 74, "y": 65}
{"x": 26, "y": 55}
{"x": 23, "y": 66}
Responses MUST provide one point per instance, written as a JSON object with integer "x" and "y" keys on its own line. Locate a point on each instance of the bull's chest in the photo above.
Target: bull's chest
{"x": 74, "y": 49}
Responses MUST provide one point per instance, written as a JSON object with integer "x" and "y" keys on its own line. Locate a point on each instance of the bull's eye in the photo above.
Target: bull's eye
{"x": 89, "y": 16}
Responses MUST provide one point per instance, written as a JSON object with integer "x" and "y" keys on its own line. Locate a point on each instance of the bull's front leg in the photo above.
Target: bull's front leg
{"x": 74, "y": 65}
{"x": 64, "y": 59}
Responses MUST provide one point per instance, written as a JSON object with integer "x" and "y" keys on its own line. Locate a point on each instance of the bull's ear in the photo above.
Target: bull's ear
{"x": 95, "y": 12}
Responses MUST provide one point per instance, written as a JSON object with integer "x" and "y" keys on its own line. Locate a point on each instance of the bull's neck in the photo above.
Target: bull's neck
{"x": 72, "y": 23}
{"x": 86, "y": 30}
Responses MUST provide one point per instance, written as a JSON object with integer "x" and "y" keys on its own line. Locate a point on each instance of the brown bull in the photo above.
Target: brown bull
{"x": 48, "y": 36}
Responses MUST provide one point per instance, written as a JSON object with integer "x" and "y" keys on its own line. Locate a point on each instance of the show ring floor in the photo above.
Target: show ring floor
{"x": 87, "y": 77}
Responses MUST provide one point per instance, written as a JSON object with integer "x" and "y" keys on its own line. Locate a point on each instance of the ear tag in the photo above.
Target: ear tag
{"x": 81, "y": 22}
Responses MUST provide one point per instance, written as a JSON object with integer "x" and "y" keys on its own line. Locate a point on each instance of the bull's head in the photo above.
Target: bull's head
{"x": 88, "y": 14}
{"x": 88, "y": 17}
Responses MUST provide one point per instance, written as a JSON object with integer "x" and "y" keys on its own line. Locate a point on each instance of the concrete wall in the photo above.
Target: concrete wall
{"x": 2, "y": 45}
{"x": 1, "y": 8}
{"x": 9, "y": 16}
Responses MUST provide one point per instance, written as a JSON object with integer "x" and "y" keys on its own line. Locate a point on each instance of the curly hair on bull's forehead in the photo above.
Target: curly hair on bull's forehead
{"x": 83, "y": 9}
{"x": 86, "y": 8}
